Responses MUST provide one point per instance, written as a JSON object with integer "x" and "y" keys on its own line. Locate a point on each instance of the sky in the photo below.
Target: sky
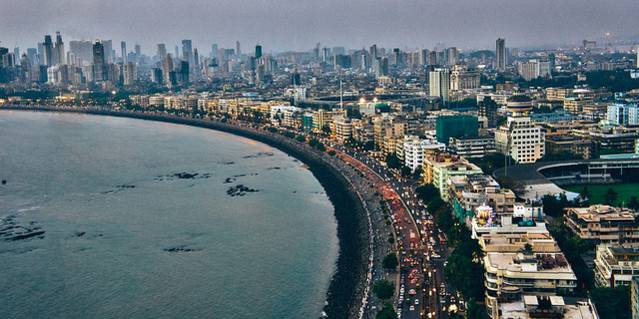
{"x": 299, "y": 24}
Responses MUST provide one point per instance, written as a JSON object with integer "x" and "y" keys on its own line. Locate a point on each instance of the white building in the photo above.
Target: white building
{"x": 623, "y": 114}
{"x": 439, "y": 83}
{"x": 414, "y": 149}
{"x": 520, "y": 137}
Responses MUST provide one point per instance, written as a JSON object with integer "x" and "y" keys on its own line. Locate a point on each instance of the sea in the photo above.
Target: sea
{"x": 108, "y": 217}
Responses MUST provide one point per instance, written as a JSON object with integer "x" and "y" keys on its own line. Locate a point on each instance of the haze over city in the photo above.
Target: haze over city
{"x": 298, "y": 25}
{"x": 362, "y": 159}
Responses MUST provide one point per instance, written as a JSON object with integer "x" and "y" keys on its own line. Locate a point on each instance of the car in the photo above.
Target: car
{"x": 412, "y": 308}
{"x": 416, "y": 302}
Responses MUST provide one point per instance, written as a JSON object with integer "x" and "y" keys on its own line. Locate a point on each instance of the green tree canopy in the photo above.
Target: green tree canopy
{"x": 388, "y": 312}
{"x": 390, "y": 262}
{"x": 383, "y": 289}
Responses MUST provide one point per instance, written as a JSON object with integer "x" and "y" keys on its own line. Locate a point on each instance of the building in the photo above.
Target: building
{"x": 533, "y": 69}
{"x": 472, "y": 147}
{"x": 414, "y": 150}
{"x": 439, "y": 83}
{"x": 500, "y": 54}
{"x": 603, "y": 224}
{"x": 441, "y": 167}
{"x": 521, "y": 265}
{"x": 463, "y": 79}
{"x": 616, "y": 265}
{"x": 557, "y": 94}
{"x": 623, "y": 114}
{"x": 541, "y": 306}
{"x": 457, "y": 126}
{"x": 342, "y": 128}
{"x": 99, "y": 63}
{"x": 520, "y": 138}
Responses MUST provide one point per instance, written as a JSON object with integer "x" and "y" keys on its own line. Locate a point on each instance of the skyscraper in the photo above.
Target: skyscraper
{"x": 167, "y": 69}
{"x": 99, "y": 66}
{"x": 48, "y": 50}
{"x": 439, "y": 83}
{"x": 187, "y": 51}
{"x": 500, "y": 54}
{"x": 238, "y": 52}
{"x": 125, "y": 59}
{"x": 59, "y": 49}
{"x": 161, "y": 54}
{"x": 258, "y": 51}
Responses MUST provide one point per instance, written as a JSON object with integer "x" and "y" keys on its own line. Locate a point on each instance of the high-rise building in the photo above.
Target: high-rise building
{"x": 258, "y": 51}
{"x": 82, "y": 50}
{"x": 130, "y": 73}
{"x": 59, "y": 55}
{"x": 533, "y": 69}
{"x": 48, "y": 50}
{"x": 500, "y": 54}
{"x": 32, "y": 55}
{"x": 458, "y": 126}
{"x": 187, "y": 51}
{"x": 161, "y": 53}
{"x": 623, "y": 114}
{"x": 167, "y": 69}
{"x": 138, "y": 51}
{"x": 439, "y": 83}
{"x": 238, "y": 52}
{"x": 99, "y": 62}
{"x": 108, "y": 50}
{"x": 125, "y": 59}
{"x": 452, "y": 56}
{"x": 519, "y": 137}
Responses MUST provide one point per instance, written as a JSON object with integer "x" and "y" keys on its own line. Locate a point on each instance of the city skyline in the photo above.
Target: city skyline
{"x": 286, "y": 25}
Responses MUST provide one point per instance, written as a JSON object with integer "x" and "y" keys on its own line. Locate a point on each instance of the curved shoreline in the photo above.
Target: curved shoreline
{"x": 346, "y": 289}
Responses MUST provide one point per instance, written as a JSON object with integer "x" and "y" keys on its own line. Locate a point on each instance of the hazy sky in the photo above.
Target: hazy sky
{"x": 299, "y": 24}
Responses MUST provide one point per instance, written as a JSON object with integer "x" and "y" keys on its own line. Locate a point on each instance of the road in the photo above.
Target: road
{"x": 425, "y": 253}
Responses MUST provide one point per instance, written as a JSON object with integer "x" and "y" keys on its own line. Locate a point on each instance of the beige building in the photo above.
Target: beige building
{"x": 616, "y": 265}
{"x": 603, "y": 224}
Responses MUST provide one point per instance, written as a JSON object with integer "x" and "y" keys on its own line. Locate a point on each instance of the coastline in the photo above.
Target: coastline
{"x": 347, "y": 286}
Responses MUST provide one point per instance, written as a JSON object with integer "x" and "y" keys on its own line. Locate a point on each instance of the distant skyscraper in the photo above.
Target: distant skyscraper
{"x": 167, "y": 70}
{"x": 452, "y": 56}
{"x": 187, "y": 51}
{"x": 258, "y": 51}
{"x": 48, "y": 50}
{"x": 99, "y": 65}
{"x": 238, "y": 51}
{"x": 500, "y": 54}
{"x": 125, "y": 59}
{"x": 138, "y": 51}
{"x": 161, "y": 54}
{"x": 637, "y": 57}
{"x": 32, "y": 55}
{"x": 59, "y": 49}
{"x": 108, "y": 50}
{"x": 213, "y": 54}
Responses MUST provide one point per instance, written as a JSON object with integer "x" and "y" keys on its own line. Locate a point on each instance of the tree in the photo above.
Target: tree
{"x": 611, "y": 196}
{"x": 388, "y": 312}
{"x": 427, "y": 193}
{"x": 383, "y": 289}
{"x": 406, "y": 171}
{"x": 393, "y": 161}
{"x": 390, "y": 262}
{"x": 634, "y": 203}
{"x": 612, "y": 303}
